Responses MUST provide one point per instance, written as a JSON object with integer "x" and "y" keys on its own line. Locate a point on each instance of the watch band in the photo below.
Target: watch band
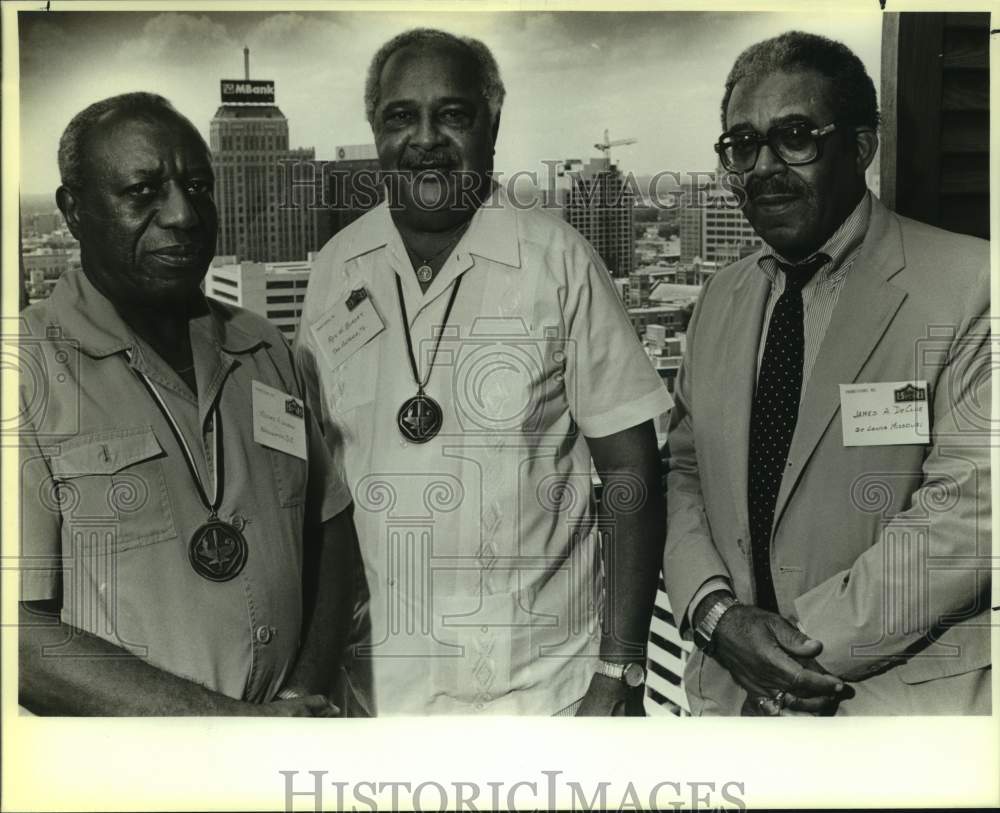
{"x": 631, "y": 674}
{"x": 706, "y": 628}
{"x": 611, "y": 670}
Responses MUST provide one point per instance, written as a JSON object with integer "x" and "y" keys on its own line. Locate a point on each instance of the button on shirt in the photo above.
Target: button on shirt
{"x": 478, "y": 546}
{"x": 108, "y": 504}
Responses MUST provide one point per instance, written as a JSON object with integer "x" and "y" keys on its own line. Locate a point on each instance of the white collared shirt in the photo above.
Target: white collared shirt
{"x": 484, "y": 573}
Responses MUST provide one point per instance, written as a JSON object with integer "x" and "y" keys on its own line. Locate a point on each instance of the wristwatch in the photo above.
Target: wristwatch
{"x": 631, "y": 674}
{"x": 704, "y": 631}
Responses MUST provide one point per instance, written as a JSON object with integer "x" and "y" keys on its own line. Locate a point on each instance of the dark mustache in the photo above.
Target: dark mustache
{"x": 429, "y": 160}
{"x": 774, "y": 185}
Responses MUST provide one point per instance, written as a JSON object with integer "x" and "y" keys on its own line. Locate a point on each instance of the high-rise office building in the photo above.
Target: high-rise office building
{"x": 689, "y": 222}
{"x": 272, "y": 290}
{"x": 600, "y": 205}
{"x": 727, "y": 234}
{"x": 268, "y": 195}
{"x": 350, "y": 188}
{"x": 712, "y": 226}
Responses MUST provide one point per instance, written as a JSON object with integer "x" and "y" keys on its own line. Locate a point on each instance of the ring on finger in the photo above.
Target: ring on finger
{"x": 779, "y": 698}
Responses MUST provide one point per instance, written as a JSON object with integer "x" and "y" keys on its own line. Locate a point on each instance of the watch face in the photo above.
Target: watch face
{"x": 634, "y": 675}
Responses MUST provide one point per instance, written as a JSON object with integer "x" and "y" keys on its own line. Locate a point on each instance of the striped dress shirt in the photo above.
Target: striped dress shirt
{"x": 820, "y": 295}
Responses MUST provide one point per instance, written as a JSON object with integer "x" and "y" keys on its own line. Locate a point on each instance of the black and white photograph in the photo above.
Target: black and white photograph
{"x": 451, "y": 371}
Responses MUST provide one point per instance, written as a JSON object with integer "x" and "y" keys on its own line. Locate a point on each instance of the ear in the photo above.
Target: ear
{"x": 866, "y": 144}
{"x": 69, "y": 205}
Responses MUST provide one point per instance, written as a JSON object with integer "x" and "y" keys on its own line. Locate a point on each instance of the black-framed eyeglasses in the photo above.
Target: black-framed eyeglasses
{"x": 796, "y": 144}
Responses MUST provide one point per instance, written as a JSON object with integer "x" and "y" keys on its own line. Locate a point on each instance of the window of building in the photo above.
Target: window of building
{"x": 222, "y": 280}
{"x": 282, "y": 314}
{"x": 281, "y": 299}
{"x": 279, "y": 284}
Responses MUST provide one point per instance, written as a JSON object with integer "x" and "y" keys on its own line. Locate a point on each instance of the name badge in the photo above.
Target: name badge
{"x": 347, "y": 327}
{"x": 886, "y": 413}
{"x": 279, "y": 420}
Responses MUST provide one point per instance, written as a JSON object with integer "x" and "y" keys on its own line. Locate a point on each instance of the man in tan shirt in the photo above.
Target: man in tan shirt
{"x": 165, "y": 525}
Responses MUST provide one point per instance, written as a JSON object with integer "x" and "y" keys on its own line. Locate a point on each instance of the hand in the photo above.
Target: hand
{"x": 794, "y": 706}
{"x": 607, "y": 697}
{"x": 312, "y": 705}
{"x": 788, "y": 705}
{"x": 765, "y": 654}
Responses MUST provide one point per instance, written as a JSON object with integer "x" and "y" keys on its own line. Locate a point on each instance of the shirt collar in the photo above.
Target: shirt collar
{"x": 89, "y": 318}
{"x": 492, "y": 234}
{"x": 841, "y": 247}
{"x": 493, "y": 231}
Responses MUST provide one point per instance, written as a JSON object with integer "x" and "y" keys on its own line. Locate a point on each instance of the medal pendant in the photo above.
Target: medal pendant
{"x": 419, "y": 418}
{"x": 425, "y": 273}
{"x": 217, "y": 551}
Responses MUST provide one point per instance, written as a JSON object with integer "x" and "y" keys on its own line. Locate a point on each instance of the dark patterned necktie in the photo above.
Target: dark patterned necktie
{"x": 773, "y": 416}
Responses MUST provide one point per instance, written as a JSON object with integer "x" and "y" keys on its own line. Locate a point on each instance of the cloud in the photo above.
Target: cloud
{"x": 656, "y": 76}
{"x": 291, "y": 30}
{"x": 179, "y": 38}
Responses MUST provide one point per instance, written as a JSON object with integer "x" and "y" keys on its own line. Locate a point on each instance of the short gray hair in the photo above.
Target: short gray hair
{"x": 74, "y": 137}
{"x": 854, "y": 92}
{"x": 492, "y": 85}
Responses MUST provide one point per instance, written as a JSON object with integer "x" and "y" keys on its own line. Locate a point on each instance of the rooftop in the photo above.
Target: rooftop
{"x": 249, "y": 111}
{"x": 670, "y": 291}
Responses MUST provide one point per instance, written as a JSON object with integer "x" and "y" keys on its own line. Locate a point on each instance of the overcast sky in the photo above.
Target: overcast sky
{"x": 656, "y": 77}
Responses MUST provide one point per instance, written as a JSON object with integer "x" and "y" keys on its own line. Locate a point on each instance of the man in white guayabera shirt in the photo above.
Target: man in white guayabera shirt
{"x": 469, "y": 359}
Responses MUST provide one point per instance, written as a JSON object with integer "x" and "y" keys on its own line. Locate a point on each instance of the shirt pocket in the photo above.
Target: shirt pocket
{"x": 352, "y": 384}
{"x": 114, "y": 480}
{"x": 290, "y": 476}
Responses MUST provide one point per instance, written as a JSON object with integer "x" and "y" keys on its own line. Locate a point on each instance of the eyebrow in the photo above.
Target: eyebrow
{"x": 789, "y": 118}
{"x": 140, "y": 174}
{"x": 463, "y": 100}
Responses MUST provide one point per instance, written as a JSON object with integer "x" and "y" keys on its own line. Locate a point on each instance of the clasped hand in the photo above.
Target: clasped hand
{"x": 769, "y": 657}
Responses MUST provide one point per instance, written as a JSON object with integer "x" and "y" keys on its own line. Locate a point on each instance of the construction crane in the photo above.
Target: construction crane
{"x": 607, "y": 144}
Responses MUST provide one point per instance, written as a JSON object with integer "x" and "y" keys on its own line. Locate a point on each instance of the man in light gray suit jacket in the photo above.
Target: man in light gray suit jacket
{"x": 829, "y": 495}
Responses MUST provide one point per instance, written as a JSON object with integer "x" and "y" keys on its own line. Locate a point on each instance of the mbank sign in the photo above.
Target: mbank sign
{"x": 259, "y": 91}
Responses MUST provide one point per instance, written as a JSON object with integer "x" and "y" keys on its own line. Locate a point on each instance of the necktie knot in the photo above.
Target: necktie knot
{"x": 797, "y": 275}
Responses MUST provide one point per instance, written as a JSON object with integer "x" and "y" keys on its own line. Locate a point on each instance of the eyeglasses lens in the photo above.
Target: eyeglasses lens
{"x": 793, "y": 145}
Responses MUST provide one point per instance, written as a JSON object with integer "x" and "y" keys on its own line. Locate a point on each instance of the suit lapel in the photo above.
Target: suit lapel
{"x": 864, "y": 310}
{"x": 744, "y": 316}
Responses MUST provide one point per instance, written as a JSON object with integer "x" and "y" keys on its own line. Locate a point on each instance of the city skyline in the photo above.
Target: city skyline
{"x": 579, "y": 73}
